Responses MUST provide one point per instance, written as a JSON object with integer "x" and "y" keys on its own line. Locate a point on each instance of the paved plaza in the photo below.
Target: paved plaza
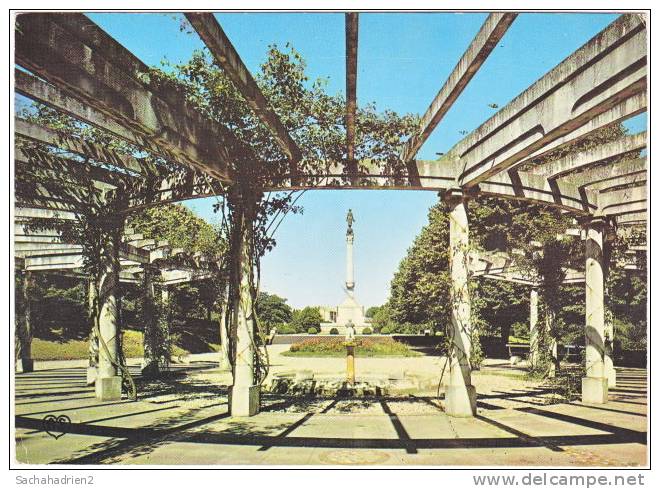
{"x": 184, "y": 420}
{"x": 545, "y": 191}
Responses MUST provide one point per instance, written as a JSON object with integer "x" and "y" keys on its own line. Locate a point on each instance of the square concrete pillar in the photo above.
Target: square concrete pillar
{"x": 533, "y": 327}
{"x": 108, "y": 388}
{"x": 460, "y": 394}
{"x": 245, "y": 393}
{"x": 23, "y": 324}
{"x": 244, "y": 400}
{"x": 108, "y": 383}
{"x": 595, "y": 384}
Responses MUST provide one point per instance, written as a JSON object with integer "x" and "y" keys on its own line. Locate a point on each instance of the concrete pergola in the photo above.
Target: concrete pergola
{"x": 69, "y": 63}
{"x": 501, "y": 266}
{"x": 142, "y": 261}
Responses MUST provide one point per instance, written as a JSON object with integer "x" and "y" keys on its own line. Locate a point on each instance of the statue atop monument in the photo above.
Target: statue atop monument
{"x": 349, "y": 314}
{"x": 349, "y": 220}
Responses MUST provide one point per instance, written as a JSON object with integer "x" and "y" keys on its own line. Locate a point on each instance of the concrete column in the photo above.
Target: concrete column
{"x": 460, "y": 394}
{"x": 150, "y": 362}
{"x": 23, "y": 327}
{"x": 164, "y": 321}
{"x": 608, "y": 363}
{"x": 108, "y": 382}
{"x": 244, "y": 396}
{"x": 594, "y": 385}
{"x": 225, "y": 361}
{"x": 533, "y": 327}
{"x": 93, "y": 349}
{"x": 554, "y": 356}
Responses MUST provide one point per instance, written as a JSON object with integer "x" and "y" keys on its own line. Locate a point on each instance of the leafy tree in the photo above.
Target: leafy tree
{"x": 382, "y": 319}
{"x": 419, "y": 291}
{"x": 180, "y": 227}
{"x": 273, "y": 309}
{"x": 371, "y": 311}
{"x": 315, "y": 121}
{"x": 498, "y": 305}
{"x": 306, "y": 318}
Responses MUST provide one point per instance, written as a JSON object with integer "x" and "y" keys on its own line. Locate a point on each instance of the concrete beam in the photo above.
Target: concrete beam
{"x": 48, "y": 167}
{"x": 228, "y": 58}
{"x": 74, "y": 54}
{"x": 171, "y": 277}
{"x": 605, "y": 174}
{"x": 475, "y": 55}
{"x": 599, "y": 76}
{"x": 40, "y": 91}
{"x": 441, "y": 175}
{"x": 513, "y": 279}
{"x": 591, "y": 157}
{"x": 50, "y": 262}
{"x": 352, "y": 23}
{"x": 630, "y": 107}
{"x": 622, "y": 201}
{"x": 32, "y": 213}
{"x": 45, "y": 135}
{"x": 629, "y": 180}
{"x": 537, "y": 188}
{"x": 631, "y": 219}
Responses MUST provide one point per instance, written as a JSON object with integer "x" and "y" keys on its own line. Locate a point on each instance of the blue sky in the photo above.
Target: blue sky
{"x": 403, "y": 60}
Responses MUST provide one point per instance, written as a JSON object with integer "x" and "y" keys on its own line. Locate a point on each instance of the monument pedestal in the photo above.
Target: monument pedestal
{"x": 350, "y": 310}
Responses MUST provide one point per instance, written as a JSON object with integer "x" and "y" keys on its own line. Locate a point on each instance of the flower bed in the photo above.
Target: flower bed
{"x": 336, "y": 347}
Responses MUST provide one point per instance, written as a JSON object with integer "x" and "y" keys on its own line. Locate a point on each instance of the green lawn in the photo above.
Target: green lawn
{"x": 78, "y": 349}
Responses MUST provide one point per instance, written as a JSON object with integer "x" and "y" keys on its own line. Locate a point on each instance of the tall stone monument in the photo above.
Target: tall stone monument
{"x": 350, "y": 310}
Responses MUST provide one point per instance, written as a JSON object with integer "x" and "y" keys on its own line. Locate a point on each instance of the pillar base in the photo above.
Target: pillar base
{"x": 108, "y": 388}
{"x": 594, "y": 390}
{"x": 244, "y": 400}
{"x": 461, "y": 401}
{"x": 92, "y": 373}
{"x": 24, "y": 365}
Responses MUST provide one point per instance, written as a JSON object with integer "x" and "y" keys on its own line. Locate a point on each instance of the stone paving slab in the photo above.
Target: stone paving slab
{"x": 184, "y": 420}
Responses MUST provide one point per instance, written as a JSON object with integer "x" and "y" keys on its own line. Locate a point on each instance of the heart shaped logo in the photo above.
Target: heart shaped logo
{"x": 55, "y": 426}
